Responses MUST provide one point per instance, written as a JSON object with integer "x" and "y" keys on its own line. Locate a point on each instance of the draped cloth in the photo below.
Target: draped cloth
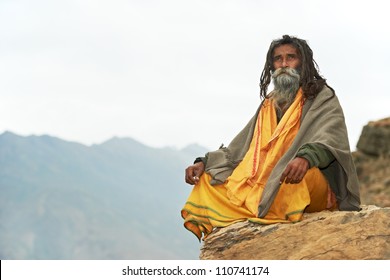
{"x": 238, "y": 197}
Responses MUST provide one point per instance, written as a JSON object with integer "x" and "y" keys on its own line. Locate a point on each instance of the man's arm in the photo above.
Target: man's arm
{"x": 308, "y": 156}
{"x": 316, "y": 154}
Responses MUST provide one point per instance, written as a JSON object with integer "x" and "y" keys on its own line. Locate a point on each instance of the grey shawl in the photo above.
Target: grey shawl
{"x": 323, "y": 123}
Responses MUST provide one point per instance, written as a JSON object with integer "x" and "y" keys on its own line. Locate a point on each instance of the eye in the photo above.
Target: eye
{"x": 277, "y": 58}
{"x": 291, "y": 56}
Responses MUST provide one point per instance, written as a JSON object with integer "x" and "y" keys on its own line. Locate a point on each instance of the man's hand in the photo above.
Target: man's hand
{"x": 193, "y": 173}
{"x": 295, "y": 171}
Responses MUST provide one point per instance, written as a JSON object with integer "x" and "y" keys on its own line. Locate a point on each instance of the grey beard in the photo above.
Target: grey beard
{"x": 286, "y": 85}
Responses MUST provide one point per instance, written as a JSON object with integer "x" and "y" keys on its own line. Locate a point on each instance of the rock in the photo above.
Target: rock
{"x": 374, "y": 178}
{"x": 372, "y": 160}
{"x": 325, "y": 235}
{"x": 375, "y": 137}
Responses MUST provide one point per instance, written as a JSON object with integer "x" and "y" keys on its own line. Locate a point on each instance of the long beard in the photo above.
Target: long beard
{"x": 286, "y": 85}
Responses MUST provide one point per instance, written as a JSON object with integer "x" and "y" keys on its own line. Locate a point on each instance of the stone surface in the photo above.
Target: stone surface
{"x": 372, "y": 160}
{"x": 374, "y": 140}
{"x": 323, "y": 235}
{"x": 374, "y": 178}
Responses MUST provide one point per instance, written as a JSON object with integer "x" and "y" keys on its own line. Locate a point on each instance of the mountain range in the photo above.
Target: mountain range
{"x": 116, "y": 200}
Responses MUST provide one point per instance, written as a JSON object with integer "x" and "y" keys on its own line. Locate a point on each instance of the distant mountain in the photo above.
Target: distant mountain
{"x": 117, "y": 200}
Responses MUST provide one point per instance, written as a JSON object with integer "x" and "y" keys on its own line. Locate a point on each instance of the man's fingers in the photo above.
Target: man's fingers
{"x": 281, "y": 180}
{"x": 197, "y": 172}
{"x": 188, "y": 180}
{"x": 193, "y": 173}
{"x": 196, "y": 179}
{"x": 284, "y": 175}
{"x": 293, "y": 177}
{"x": 190, "y": 176}
{"x": 295, "y": 171}
{"x": 290, "y": 174}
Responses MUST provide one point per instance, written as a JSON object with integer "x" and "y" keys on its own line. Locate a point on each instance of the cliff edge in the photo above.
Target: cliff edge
{"x": 325, "y": 235}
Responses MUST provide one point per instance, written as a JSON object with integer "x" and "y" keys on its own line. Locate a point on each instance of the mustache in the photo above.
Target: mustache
{"x": 286, "y": 70}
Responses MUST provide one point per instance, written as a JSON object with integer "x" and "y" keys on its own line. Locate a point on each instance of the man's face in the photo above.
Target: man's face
{"x": 286, "y": 56}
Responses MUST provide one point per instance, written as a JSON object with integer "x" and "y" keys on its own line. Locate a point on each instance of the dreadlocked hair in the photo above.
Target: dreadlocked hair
{"x": 311, "y": 82}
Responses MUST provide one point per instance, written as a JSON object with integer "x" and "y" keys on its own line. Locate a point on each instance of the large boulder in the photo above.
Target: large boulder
{"x": 325, "y": 235}
{"x": 375, "y": 138}
{"x": 372, "y": 160}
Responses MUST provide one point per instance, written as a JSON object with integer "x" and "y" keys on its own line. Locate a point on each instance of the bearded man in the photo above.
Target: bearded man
{"x": 292, "y": 157}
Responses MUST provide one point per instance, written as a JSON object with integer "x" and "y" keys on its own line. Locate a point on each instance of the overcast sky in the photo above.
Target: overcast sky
{"x": 175, "y": 72}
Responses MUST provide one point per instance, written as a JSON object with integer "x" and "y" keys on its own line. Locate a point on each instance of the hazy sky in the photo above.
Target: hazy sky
{"x": 175, "y": 72}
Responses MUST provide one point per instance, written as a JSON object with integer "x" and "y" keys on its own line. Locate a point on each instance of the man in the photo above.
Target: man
{"x": 292, "y": 157}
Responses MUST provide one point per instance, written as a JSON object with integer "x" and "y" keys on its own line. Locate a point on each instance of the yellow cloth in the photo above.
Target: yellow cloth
{"x": 237, "y": 199}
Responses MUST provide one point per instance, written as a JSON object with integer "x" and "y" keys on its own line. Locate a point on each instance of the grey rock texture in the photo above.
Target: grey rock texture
{"x": 325, "y": 235}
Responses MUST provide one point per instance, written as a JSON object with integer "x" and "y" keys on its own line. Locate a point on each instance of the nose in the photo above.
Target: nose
{"x": 285, "y": 63}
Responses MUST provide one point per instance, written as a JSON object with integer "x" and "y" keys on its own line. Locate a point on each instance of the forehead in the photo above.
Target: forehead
{"x": 285, "y": 49}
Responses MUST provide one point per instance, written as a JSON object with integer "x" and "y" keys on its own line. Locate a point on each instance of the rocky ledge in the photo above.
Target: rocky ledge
{"x": 325, "y": 235}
